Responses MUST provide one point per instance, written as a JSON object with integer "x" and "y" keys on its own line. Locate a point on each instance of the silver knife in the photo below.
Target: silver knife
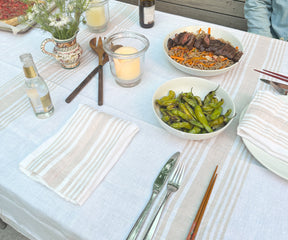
{"x": 279, "y": 87}
{"x": 157, "y": 187}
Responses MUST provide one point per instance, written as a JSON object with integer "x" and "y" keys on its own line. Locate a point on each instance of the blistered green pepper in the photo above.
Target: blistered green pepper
{"x": 184, "y": 109}
{"x": 202, "y": 119}
{"x": 195, "y": 130}
{"x": 192, "y": 113}
{"x": 181, "y": 125}
{"x": 191, "y": 101}
{"x": 210, "y": 96}
{"x": 228, "y": 112}
{"x": 218, "y": 104}
{"x": 207, "y": 108}
{"x": 198, "y": 100}
{"x": 216, "y": 113}
{"x": 166, "y": 102}
{"x": 196, "y": 123}
{"x": 217, "y": 121}
{"x": 165, "y": 118}
{"x": 172, "y": 106}
{"x": 171, "y": 95}
{"x": 180, "y": 114}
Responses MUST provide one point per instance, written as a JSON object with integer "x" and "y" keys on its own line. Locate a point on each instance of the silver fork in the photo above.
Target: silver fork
{"x": 172, "y": 186}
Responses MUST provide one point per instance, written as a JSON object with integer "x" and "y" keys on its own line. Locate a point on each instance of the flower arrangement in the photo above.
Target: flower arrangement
{"x": 62, "y": 23}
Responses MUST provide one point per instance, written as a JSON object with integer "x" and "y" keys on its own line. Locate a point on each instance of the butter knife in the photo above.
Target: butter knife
{"x": 279, "y": 87}
{"x": 157, "y": 187}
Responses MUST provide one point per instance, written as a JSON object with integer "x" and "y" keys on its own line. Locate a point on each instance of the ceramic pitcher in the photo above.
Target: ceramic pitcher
{"x": 67, "y": 52}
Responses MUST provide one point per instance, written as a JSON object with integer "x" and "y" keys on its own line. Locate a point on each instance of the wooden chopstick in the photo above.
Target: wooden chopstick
{"x": 196, "y": 223}
{"x": 272, "y": 74}
{"x": 277, "y": 74}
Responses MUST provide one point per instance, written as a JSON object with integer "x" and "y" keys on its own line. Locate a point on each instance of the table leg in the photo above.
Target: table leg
{"x": 3, "y": 225}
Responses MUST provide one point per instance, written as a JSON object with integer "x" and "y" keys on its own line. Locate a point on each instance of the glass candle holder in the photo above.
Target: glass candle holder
{"x": 126, "y": 52}
{"x": 97, "y": 15}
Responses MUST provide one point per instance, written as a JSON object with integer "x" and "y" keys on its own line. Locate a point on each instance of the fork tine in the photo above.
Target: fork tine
{"x": 96, "y": 41}
{"x": 175, "y": 174}
{"x": 100, "y": 43}
{"x": 178, "y": 174}
{"x": 182, "y": 173}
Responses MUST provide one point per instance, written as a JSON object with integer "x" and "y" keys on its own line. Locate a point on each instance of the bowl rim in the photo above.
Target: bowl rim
{"x": 189, "y": 69}
{"x": 185, "y": 135}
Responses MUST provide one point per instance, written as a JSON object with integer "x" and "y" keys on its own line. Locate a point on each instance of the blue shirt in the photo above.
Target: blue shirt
{"x": 267, "y": 17}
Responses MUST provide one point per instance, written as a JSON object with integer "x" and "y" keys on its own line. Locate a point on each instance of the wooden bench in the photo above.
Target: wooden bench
{"x": 228, "y": 13}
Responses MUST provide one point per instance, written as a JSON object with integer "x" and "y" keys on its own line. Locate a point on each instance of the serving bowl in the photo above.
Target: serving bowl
{"x": 200, "y": 87}
{"x": 217, "y": 33}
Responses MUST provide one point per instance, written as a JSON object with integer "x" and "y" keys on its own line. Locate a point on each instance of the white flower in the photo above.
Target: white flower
{"x": 70, "y": 7}
{"x": 58, "y": 21}
{"x": 30, "y": 16}
{"x": 59, "y": 24}
{"x": 35, "y": 9}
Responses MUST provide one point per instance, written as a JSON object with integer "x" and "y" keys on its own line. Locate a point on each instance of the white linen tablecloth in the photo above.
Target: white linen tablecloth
{"x": 248, "y": 201}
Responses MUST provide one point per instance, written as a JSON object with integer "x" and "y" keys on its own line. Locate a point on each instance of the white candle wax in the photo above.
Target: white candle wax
{"x": 127, "y": 69}
{"x": 95, "y": 16}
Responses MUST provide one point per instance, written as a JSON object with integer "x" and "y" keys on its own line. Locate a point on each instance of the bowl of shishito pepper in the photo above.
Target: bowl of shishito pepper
{"x": 193, "y": 108}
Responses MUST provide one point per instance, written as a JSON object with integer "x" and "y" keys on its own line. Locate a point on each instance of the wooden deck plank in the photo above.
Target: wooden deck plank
{"x": 229, "y": 13}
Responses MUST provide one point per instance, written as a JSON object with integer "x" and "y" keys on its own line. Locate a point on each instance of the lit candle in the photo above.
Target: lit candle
{"x": 127, "y": 69}
{"x": 95, "y": 15}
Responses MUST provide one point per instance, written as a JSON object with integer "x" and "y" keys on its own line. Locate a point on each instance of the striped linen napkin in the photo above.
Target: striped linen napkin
{"x": 77, "y": 158}
{"x": 265, "y": 124}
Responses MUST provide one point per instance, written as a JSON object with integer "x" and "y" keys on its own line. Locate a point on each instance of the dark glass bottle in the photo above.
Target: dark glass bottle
{"x": 146, "y": 13}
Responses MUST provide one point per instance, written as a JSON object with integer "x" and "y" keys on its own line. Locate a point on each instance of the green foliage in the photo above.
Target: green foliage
{"x": 63, "y": 22}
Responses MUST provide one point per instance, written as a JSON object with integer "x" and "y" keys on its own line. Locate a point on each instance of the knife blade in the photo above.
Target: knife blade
{"x": 158, "y": 185}
{"x": 279, "y": 87}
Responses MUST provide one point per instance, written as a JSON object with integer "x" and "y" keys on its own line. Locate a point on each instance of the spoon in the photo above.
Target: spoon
{"x": 92, "y": 44}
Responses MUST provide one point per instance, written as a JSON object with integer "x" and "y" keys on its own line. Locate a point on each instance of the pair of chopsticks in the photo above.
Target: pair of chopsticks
{"x": 196, "y": 223}
{"x": 273, "y": 74}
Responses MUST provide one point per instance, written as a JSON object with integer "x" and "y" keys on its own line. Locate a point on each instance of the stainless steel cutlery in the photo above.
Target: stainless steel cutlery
{"x": 172, "y": 186}
{"x": 157, "y": 187}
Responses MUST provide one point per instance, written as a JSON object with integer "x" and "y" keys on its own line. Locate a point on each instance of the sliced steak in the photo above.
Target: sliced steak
{"x": 198, "y": 42}
{"x": 191, "y": 42}
{"x": 206, "y": 41}
{"x": 215, "y": 45}
{"x": 176, "y": 39}
{"x": 170, "y": 43}
{"x": 184, "y": 38}
{"x": 237, "y": 56}
{"x": 227, "y": 51}
{"x": 205, "y": 44}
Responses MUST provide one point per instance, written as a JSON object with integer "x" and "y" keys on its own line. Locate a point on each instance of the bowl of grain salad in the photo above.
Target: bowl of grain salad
{"x": 203, "y": 50}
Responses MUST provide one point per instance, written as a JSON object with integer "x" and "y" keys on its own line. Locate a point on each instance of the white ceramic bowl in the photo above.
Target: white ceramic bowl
{"x": 216, "y": 33}
{"x": 200, "y": 87}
